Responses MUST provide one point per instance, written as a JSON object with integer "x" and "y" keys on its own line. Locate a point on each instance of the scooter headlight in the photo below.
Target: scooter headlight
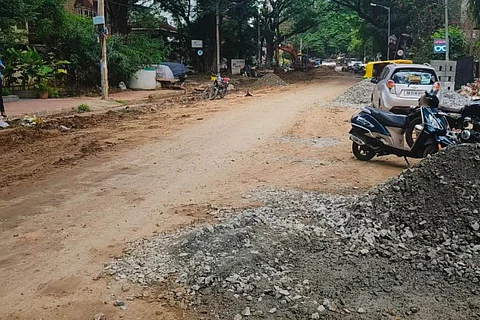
{"x": 434, "y": 122}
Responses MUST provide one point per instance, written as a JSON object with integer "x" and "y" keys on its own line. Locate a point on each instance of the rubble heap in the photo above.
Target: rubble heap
{"x": 304, "y": 255}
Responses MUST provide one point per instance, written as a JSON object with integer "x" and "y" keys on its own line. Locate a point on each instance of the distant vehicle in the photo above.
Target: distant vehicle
{"x": 329, "y": 63}
{"x": 375, "y": 68}
{"x": 399, "y": 86}
{"x": 353, "y": 62}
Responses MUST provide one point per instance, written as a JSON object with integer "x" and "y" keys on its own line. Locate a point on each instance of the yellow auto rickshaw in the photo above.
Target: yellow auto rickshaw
{"x": 374, "y": 68}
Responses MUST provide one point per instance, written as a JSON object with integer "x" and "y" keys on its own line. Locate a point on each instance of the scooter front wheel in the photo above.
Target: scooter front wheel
{"x": 362, "y": 153}
{"x": 430, "y": 149}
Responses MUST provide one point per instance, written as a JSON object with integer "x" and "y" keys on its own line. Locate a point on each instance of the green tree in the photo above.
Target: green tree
{"x": 458, "y": 45}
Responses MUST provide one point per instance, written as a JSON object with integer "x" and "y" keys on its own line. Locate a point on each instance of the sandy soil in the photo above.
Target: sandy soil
{"x": 70, "y": 200}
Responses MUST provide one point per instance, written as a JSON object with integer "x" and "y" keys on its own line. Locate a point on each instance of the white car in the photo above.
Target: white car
{"x": 399, "y": 86}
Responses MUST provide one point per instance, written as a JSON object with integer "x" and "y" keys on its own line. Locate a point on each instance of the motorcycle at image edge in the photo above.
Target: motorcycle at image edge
{"x": 377, "y": 133}
{"x": 219, "y": 87}
{"x": 464, "y": 122}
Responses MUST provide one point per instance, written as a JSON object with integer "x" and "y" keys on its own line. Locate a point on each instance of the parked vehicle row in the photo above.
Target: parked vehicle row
{"x": 407, "y": 119}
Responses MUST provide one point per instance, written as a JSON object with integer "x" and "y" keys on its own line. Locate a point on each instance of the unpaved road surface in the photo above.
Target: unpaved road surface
{"x": 70, "y": 200}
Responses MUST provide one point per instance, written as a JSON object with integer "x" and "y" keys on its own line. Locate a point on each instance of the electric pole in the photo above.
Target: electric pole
{"x": 447, "y": 33}
{"x": 217, "y": 33}
{"x": 259, "y": 43}
{"x": 103, "y": 45}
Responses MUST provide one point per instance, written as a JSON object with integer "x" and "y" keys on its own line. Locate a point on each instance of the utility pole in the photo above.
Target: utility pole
{"x": 103, "y": 44}
{"x": 389, "y": 25}
{"x": 447, "y": 33}
{"x": 259, "y": 43}
{"x": 389, "y": 30}
{"x": 217, "y": 32}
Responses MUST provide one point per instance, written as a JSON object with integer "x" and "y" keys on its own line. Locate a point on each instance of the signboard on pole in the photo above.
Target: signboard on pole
{"x": 440, "y": 46}
{"x": 237, "y": 65}
{"x": 197, "y": 44}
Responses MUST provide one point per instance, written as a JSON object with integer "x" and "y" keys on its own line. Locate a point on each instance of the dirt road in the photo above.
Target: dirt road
{"x": 60, "y": 223}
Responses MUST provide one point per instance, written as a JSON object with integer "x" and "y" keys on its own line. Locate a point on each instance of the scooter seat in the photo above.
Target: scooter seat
{"x": 389, "y": 119}
{"x": 450, "y": 109}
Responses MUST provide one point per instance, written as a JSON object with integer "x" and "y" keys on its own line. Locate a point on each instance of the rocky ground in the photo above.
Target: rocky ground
{"x": 408, "y": 249}
{"x": 361, "y": 94}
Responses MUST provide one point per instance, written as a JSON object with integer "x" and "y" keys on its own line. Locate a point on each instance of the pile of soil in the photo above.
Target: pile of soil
{"x": 270, "y": 80}
{"x": 323, "y": 71}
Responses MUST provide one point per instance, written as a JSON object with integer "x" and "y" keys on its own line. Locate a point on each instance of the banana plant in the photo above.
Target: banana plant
{"x": 30, "y": 70}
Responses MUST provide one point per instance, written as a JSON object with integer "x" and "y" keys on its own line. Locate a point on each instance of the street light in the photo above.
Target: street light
{"x": 389, "y": 25}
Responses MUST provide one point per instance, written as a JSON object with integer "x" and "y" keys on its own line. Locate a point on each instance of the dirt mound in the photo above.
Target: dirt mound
{"x": 270, "y": 80}
{"x": 323, "y": 71}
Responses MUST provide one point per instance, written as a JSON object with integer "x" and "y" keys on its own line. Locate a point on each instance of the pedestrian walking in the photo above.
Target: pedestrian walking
{"x": 2, "y": 105}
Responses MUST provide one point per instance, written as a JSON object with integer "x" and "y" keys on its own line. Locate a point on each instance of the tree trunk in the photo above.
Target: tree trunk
{"x": 118, "y": 16}
{"x": 270, "y": 52}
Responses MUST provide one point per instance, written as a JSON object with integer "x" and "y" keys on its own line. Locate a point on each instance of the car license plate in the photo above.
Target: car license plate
{"x": 412, "y": 93}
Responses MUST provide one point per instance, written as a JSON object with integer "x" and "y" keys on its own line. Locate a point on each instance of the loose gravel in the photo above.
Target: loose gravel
{"x": 357, "y": 95}
{"x": 315, "y": 142}
{"x": 270, "y": 80}
{"x": 360, "y": 94}
{"x": 410, "y": 247}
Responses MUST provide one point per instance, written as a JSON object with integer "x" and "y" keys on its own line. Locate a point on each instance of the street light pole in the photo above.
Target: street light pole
{"x": 447, "y": 33}
{"x": 389, "y": 29}
{"x": 389, "y": 25}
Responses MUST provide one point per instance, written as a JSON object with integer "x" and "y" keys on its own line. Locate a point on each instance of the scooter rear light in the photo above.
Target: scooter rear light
{"x": 436, "y": 86}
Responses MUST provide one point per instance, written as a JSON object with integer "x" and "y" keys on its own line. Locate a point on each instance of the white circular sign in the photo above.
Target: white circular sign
{"x": 400, "y": 53}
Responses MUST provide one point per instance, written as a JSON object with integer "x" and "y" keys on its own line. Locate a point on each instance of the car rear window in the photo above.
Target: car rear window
{"x": 414, "y": 76}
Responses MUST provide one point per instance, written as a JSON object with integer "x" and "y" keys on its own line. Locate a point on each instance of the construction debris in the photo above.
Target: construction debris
{"x": 303, "y": 254}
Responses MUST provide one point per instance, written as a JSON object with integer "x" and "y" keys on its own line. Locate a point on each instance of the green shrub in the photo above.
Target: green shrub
{"x": 127, "y": 55}
{"x": 6, "y": 92}
{"x": 53, "y": 93}
{"x": 84, "y": 108}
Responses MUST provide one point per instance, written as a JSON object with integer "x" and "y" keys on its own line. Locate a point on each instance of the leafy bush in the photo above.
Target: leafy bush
{"x": 126, "y": 55}
{"x": 84, "y": 108}
{"x": 53, "y": 93}
{"x": 6, "y": 91}
{"x": 28, "y": 69}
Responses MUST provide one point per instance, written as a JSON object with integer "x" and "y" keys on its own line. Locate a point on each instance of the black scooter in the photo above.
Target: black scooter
{"x": 376, "y": 133}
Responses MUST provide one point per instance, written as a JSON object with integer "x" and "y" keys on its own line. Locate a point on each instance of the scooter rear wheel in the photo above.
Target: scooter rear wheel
{"x": 361, "y": 152}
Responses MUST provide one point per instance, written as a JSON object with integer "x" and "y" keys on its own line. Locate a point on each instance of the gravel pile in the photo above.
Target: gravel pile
{"x": 270, "y": 80}
{"x": 434, "y": 209}
{"x": 453, "y": 99}
{"x": 410, "y": 246}
{"x": 358, "y": 94}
